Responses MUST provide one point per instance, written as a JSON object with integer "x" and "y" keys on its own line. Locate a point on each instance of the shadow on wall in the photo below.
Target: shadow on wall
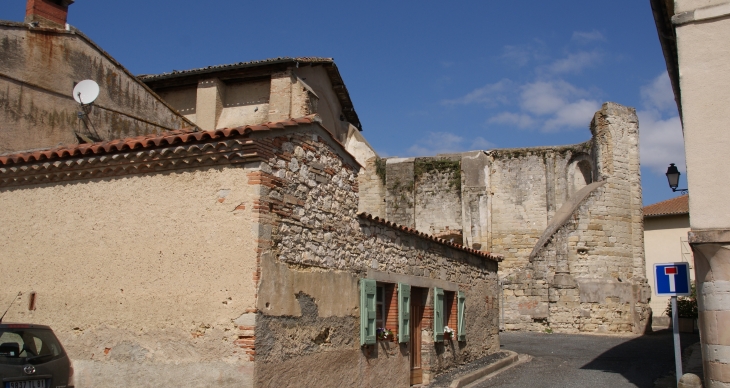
{"x": 656, "y": 348}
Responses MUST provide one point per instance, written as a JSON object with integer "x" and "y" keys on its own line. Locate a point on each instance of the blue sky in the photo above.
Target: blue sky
{"x": 428, "y": 77}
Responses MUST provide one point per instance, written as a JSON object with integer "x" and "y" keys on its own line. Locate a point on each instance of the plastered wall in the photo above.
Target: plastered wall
{"x": 38, "y": 71}
{"x": 704, "y": 64}
{"x": 145, "y": 279}
{"x": 665, "y": 241}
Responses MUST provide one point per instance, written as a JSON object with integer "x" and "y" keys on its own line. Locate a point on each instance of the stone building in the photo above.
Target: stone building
{"x": 233, "y": 257}
{"x": 567, "y": 220}
{"x": 695, "y": 40}
{"x": 224, "y": 257}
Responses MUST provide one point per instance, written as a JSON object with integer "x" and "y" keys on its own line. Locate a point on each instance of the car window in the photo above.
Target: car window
{"x": 25, "y": 345}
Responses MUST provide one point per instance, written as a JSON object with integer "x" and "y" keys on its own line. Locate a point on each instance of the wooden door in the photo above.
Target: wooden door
{"x": 414, "y": 346}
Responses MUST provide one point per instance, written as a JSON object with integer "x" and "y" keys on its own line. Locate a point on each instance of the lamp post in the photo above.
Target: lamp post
{"x": 673, "y": 178}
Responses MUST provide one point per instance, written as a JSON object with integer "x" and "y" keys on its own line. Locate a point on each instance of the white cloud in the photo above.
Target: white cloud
{"x": 575, "y": 62}
{"x": 489, "y": 94}
{"x": 587, "y": 37}
{"x": 659, "y": 95}
{"x": 514, "y": 119}
{"x": 444, "y": 142}
{"x": 543, "y": 97}
{"x": 518, "y": 55}
{"x": 573, "y": 115}
{"x": 480, "y": 143}
{"x": 661, "y": 141}
{"x": 660, "y": 137}
{"x": 437, "y": 143}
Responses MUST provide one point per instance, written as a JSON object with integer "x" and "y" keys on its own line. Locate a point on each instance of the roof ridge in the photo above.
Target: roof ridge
{"x": 258, "y": 62}
{"x": 431, "y": 237}
{"x": 676, "y": 205}
{"x": 166, "y": 138}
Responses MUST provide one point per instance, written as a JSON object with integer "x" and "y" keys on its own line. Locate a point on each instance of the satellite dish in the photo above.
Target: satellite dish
{"x": 86, "y": 92}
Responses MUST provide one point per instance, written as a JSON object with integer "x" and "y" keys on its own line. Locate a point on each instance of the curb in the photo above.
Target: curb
{"x": 489, "y": 369}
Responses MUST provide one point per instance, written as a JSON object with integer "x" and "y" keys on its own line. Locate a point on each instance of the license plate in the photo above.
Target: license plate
{"x": 26, "y": 384}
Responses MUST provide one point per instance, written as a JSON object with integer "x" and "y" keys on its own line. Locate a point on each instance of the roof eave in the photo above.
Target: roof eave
{"x": 663, "y": 11}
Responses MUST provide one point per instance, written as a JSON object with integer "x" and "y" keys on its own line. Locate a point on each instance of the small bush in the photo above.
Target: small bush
{"x": 686, "y": 305}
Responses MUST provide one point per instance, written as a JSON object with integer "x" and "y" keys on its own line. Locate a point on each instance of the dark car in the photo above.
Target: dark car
{"x": 32, "y": 357}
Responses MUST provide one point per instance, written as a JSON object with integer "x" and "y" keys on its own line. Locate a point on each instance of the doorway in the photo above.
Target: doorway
{"x": 414, "y": 346}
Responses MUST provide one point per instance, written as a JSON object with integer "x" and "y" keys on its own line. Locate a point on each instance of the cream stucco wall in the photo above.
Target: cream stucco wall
{"x": 664, "y": 238}
{"x": 142, "y": 277}
{"x": 329, "y": 108}
{"x": 689, "y": 5}
{"x": 704, "y": 61}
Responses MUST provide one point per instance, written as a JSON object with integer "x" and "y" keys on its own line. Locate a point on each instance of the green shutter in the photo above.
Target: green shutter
{"x": 461, "y": 334}
{"x": 438, "y": 314}
{"x": 404, "y": 312}
{"x": 367, "y": 311}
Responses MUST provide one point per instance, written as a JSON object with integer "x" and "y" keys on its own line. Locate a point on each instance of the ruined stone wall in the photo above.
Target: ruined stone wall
{"x": 586, "y": 272}
{"x": 371, "y": 182}
{"x": 527, "y": 186}
{"x": 438, "y": 197}
{"x": 307, "y": 327}
{"x": 573, "y": 248}
{"x": 38, "y": 70}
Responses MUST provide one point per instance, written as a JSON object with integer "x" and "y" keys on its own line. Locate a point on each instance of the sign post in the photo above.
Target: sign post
{"x": 672, "y": 279}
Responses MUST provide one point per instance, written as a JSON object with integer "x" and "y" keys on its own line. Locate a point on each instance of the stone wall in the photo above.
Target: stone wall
{"x": 307, "y": 325}
{"x": 567, "y": 220}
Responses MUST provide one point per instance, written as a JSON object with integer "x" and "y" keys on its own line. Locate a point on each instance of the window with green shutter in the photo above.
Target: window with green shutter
{"x": 368, "y": 290}
{"x": 404, "y": 312}
{"x": 461, "y": 304}
{"x": 438, "y": 314}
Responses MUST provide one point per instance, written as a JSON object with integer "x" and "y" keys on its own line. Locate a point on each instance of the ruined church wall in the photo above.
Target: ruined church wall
{"x": 507, "y": 202}
{"x": 308, "y": 323}
{"x": 589, "y": 275}
{"x": 527, "y": 186}
{"x": 143, "y": 277}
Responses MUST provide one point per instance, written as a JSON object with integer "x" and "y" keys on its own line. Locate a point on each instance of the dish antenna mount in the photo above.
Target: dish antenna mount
{"x": 85, "y": 93}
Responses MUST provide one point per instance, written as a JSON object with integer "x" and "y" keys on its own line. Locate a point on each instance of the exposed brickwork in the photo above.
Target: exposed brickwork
{"x": 46, "y": 10}
{"x": 247, "y": 340}
{"x": 309, "y": 202}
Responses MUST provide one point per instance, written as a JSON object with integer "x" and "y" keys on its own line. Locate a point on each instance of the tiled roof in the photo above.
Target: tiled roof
{"x": 338, "y": 85}
{"x": 177, "y": 137}
{"x": 676, "y": 205}
{"x": 167, "y": 151}
{"x": 233, "y": 66}
{"x": 406, "y": 229}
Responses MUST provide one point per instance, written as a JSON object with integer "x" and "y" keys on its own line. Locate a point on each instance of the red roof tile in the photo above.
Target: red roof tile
{"x": 181, "y": 136}
{"x": 676, "y": 205}
{"x": 406, "y": 229}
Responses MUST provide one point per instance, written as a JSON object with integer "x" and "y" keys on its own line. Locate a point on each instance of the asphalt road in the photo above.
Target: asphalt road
{"x": 569, "y": 360}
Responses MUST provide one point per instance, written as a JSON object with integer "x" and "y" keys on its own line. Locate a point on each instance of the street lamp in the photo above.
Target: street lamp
{"x": 673, "y": 178}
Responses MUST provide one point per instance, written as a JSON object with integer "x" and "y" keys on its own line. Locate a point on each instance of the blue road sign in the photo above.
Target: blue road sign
{"x": 671, "y": 279}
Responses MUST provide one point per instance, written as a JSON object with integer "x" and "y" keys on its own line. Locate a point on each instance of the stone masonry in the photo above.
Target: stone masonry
{"x": 567, "y": 220}
{"x": 314, "y": 247}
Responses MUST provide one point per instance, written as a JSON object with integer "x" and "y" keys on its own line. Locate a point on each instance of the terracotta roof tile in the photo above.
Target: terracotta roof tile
{"x": 181, "y": 136}
{"x": 406, "y": 229}
{"x": 676, "y": 205}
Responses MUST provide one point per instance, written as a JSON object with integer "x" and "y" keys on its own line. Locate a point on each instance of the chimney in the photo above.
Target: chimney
{"x": 47, "y": 13}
